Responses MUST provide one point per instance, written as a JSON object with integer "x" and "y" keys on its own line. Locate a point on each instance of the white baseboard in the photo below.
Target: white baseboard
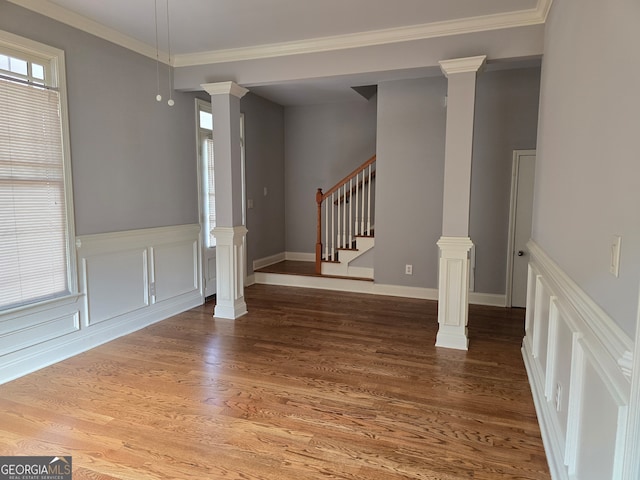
{"x": 300, "y": 256}
{"x": 488, "y": 299}
{"x": 359, "y": 286}
{"x": 270, "y": 260}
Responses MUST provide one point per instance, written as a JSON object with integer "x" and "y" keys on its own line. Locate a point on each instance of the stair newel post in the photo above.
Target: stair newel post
{"x": 319, "y": 232}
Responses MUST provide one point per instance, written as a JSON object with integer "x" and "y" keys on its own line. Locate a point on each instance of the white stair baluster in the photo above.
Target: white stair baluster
{"x": 357, "y": 224}
{"x": 338, "y": 243}
{"x": 350, "y": 214}
{"x": 333, "y": 222}
{"x": 362, "y": 206}
{"x": 369, "y": 204}
{"x": 326, "y": 230}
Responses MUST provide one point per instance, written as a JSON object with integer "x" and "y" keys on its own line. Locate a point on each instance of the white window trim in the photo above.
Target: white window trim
{"x": 202, "y": 105}
{"x": 55, "y": 57}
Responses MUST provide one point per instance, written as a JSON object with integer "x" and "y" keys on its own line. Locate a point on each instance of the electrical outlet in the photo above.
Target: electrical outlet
{"x": 408, "y": 269}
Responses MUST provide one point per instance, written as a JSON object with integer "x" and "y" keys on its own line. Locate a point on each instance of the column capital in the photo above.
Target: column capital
{"x": 224, "y": 88}
{"x": 462, "y": 65}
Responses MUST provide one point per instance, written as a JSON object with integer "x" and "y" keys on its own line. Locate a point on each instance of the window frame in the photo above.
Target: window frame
{"x": 202, "y": 135}
{"x": 53, "y": 59}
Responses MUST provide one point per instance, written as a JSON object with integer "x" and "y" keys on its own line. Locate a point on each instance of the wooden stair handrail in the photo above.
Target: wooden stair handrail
{"x": 320, "y": 197}
{"x": 349, "y": 177}
{"x": 360, "y": 184}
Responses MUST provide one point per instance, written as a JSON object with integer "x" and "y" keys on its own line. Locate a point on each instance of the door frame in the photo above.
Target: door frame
{"x": 205, "y": 105}
{"x": 515, "y": 168}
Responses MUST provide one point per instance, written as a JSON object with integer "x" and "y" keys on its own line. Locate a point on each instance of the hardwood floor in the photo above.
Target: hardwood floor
{"x": 310, "y": 384}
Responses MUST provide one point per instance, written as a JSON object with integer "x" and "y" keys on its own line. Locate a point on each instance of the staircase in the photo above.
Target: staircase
{"x": 345, "y": 231}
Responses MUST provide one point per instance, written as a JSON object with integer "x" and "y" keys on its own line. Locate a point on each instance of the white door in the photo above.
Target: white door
{"x": 204, "y": 122}
{"x": 520, "y": 229}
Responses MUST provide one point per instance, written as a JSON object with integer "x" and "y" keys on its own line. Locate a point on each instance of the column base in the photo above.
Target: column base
{"x": 455, "y": 340}
{"x": 231, "y": 312}
{"x": 453, "y": 292}
{"x": 230, "y": 277}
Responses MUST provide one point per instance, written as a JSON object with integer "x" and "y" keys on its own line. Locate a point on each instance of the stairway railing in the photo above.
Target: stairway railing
{"x": 348, "y": 200}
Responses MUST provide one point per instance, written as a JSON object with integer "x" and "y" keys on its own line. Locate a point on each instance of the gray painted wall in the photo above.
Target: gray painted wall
{"x": 411, "y": 142}
{"x": 587, "y": 172}
{"x": 264, "y": 152}
{"x": 506, "y": 119}
{"x": 133, "y": 159}
{"x": 507, "y": 43}
{"x": 323, "y": 143}
{"x": 411, "y": 135}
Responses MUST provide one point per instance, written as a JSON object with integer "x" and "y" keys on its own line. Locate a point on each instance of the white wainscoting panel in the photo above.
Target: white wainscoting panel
{"x": 117, "y": 272}
{"x": 115, "y": 283}
{"x": 175, "y": 269}
{"x": 574, "y": 354}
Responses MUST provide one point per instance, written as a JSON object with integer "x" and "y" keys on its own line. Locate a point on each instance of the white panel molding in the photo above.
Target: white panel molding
{"x": 35, "y": 333}
{"x": 39, "y": 356}
{"x": 616, "y": 342}
{"x": 65, "y": 327}
{"x": 114, "y": 283}
{"x": 130, "y": 239}
{"x": 597, "y": 342}
{"x": 631, "y": 468}
{"x": 551, "y": 437}
{"x": 270, "y": 260}
{"x": 229, "y": 272}
{"x": 453, "y": 292}
{"x": 175, "y": 269}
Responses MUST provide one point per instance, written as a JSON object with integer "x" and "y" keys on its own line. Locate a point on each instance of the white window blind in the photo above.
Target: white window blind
{"x": 33, "y": 223}
{"x": 211, "y": 192}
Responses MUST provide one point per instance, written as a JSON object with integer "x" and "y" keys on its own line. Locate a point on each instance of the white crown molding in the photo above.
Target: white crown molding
{"x": 462, "y": 65}
{"x": 543, "y": 7}
{"x": 73, "y": 19}
{"x": 224, "y": 88}
{"x": 497, "y": 21}
{"x": 371, "y": 38}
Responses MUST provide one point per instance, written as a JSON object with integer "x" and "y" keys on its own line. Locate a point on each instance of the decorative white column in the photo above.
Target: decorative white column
{"x": 229, "y": 231}
{"x": 455, "y": 244}
{"x": 229, "y": 275}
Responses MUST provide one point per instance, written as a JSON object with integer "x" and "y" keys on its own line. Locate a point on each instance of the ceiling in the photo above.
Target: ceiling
{"x": 241, "y": 29}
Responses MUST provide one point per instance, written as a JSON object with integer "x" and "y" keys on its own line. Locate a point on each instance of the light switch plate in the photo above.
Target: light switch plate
{"x": 614, "y": 266}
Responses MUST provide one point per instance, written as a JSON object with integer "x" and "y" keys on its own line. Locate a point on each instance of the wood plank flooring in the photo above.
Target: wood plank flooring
{"x": 310, "y": 384}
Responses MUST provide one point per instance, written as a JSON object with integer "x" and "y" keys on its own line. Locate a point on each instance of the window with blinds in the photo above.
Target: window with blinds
{"x": 211, "y": 192}
{"x": 207, "y": 185}
{"x": 34, "y": 228}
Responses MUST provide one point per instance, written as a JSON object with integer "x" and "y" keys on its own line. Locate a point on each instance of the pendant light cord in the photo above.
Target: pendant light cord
{"x": 158, "y": 96}
{"x": 170, "y": 102}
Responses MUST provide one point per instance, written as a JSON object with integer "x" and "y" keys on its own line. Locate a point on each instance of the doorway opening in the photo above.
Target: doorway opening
{"x": 520, "y": 219}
